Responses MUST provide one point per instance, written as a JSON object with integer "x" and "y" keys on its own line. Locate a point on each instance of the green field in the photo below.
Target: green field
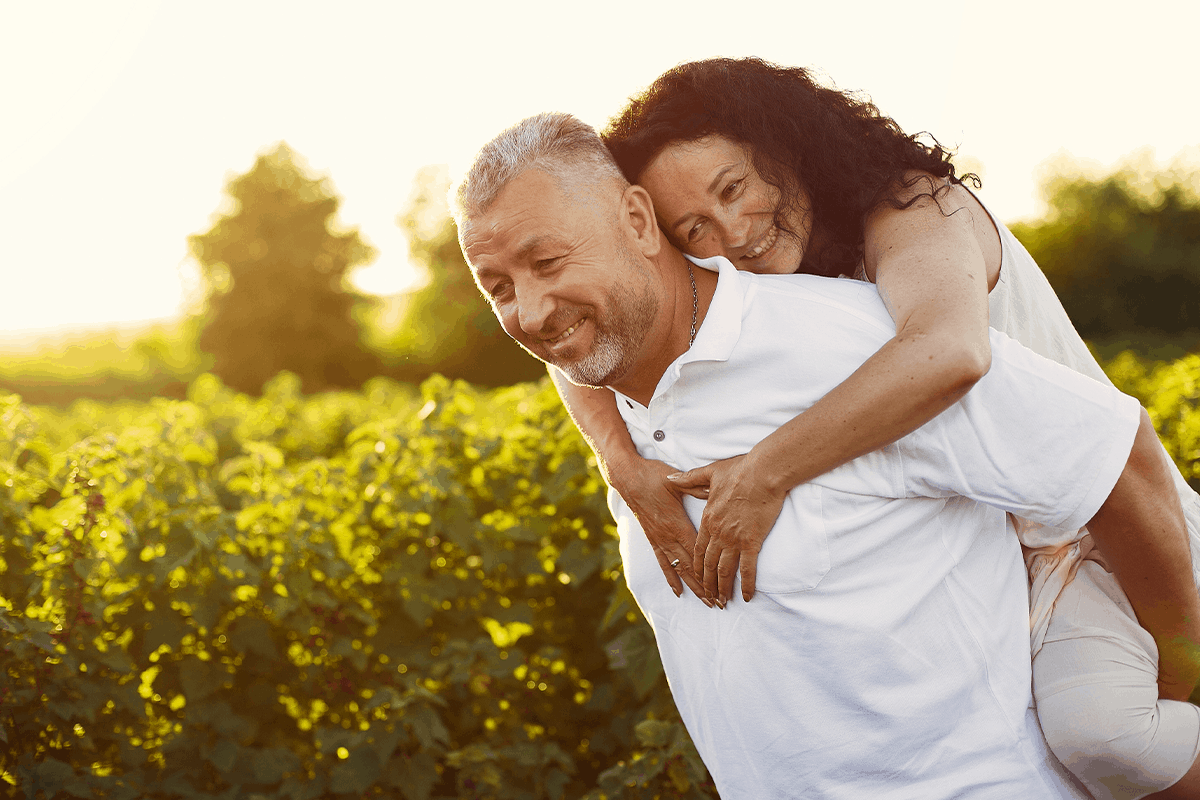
{"x": 398, "y": 592}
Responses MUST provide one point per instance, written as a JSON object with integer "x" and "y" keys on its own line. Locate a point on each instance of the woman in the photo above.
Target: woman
{"x": 759, "y": 164}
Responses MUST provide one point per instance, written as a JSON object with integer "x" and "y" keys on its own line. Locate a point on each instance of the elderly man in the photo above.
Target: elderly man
{"x": 887, "y": 653}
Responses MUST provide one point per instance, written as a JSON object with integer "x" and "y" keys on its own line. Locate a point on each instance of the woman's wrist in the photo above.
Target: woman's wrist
{"x": 765, "y": 472}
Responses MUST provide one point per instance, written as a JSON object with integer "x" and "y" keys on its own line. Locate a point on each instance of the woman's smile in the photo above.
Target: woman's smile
{"x": 765, "y": 243}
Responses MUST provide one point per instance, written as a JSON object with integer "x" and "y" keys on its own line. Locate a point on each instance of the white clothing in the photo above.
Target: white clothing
{"x": 886, "y": 654}
{"x": 1096, "y": 684}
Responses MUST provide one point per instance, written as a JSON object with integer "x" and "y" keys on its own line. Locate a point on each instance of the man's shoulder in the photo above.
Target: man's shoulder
{"x": 837, "y": 297}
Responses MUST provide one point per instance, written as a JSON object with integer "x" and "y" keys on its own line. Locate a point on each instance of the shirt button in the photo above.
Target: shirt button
{"x": 659, "y": 436}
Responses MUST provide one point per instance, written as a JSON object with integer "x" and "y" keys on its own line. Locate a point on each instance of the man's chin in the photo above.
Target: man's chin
{"x": 582, "y": 373}
{"x": 582, "y": 377}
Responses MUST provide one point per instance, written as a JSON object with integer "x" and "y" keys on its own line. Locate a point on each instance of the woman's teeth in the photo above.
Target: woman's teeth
{"x": 764, "y": 244}
{"x": 565, "y": 333}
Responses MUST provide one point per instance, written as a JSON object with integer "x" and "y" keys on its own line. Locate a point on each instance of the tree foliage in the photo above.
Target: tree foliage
{"x": 1122, "y": 251}
{"x": 448, "y": 327}
{"x": 275, "y": 268}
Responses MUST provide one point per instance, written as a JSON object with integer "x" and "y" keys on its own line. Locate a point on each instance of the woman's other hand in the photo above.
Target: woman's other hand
{"x": 742, "y": 509}
{"x": 658, "y": 506}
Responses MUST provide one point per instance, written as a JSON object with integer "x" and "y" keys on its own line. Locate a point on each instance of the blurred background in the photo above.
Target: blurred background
{"x": 244, "y": 188}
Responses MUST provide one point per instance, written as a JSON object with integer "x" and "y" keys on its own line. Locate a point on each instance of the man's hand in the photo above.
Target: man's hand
{"x": 658, "y": 506}
{"x": 741, "y": 511}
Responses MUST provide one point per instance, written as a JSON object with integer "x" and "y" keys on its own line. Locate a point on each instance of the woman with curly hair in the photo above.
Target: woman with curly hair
{"x": 763, "y": 166}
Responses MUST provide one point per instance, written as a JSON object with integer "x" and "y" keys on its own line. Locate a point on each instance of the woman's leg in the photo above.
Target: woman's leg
{"x": 1095, "y": 684}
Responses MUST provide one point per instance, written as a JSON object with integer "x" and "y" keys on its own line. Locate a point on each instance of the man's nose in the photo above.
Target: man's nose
{"x": 534, "y": 305}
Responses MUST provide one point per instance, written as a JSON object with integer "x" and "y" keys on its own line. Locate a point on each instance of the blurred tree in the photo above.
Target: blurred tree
{"x": 275, "y": 270}
{"x": 448, "y": 327}
{"x": 1122, "y": 251}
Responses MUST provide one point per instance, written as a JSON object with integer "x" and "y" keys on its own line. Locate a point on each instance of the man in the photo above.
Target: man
{"x": 886, "y": 654}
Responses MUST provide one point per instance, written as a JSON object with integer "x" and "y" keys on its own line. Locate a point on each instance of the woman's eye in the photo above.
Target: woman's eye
{"x": 694, "y": 233}
{"x": 732, "y": 188}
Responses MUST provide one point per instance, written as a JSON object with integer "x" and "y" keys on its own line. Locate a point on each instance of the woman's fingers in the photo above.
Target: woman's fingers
{"x": 695, "y": 481}
{"x": 699, "y": 554}
{"x": 670, "y": 572}
{"x": 727, "y": 569}
{"x": 671, "y": 534}
{"x": 722, "y": 564}
{"x": 749, "y": 568}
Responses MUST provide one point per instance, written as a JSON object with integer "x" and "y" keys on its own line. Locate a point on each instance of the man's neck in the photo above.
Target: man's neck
{"x": 671, "y": 335}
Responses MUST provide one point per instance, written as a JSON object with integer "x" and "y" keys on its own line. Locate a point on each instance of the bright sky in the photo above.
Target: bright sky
{"x": 124, "y": 119}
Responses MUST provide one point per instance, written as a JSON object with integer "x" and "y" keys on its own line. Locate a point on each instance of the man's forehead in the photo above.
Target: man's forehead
{"x": 530, "y": 212}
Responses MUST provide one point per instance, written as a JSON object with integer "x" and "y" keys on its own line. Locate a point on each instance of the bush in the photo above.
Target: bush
{"x": 395, "y": 592}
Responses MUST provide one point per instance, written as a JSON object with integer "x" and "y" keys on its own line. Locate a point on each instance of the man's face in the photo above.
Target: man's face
{"x": 562, "y": 277}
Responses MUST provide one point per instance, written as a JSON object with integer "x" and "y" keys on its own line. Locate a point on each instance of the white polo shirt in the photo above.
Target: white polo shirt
{"x": 886, "y": 652}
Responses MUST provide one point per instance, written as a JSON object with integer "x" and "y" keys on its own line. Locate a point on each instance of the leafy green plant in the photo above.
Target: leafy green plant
{"x": 392, "y": 592}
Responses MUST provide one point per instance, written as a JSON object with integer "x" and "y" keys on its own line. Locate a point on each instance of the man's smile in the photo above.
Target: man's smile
{"x": 562, "y": 336}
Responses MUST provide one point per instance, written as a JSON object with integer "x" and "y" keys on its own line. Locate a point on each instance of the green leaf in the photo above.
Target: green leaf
{"x": 42, "y": 641}
{"x": 357, "y": 773}
{"x": 271, "y": 764}
{"x": 166, "y": 628}
{"x": 76, "y": 787}
{"x": 223, "y": 755}
{"x": 415, "y": 775}
{"x": 253, "y": 635}
{"x": 200, "y": 679}
{"x": 52, "y": 774}
{"x": 654, "y": 732}
{"x": 427, "y": 726}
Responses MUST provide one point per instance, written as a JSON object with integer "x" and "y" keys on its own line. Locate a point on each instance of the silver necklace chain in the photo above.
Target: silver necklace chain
{"x": 695, "y": 306}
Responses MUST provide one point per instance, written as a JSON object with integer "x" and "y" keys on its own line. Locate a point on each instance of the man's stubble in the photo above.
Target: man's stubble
{"x": 620, "y": 335}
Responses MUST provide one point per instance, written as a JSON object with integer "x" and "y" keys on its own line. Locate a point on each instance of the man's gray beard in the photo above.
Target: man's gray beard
{"x": 619, "y": 337}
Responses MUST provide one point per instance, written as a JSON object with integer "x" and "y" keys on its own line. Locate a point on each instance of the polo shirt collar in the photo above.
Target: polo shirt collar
{"x": 722, "y": 326}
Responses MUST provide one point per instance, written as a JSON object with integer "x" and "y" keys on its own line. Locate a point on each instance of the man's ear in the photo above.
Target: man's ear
{"x": 638, "y": 211}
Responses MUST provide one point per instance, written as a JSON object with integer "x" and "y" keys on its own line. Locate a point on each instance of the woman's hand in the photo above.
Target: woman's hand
{"x": 740, "y": 513}
{"x": 658, "y": 506}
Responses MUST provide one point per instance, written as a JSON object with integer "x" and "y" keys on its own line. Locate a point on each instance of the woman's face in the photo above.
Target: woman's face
{"x": 712, "y": 202}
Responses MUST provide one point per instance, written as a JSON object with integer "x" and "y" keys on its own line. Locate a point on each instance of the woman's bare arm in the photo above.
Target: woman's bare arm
{"x": 930, "y": 265}
{"x": 640, "y": 482}
{"x": 1141, "y": 533}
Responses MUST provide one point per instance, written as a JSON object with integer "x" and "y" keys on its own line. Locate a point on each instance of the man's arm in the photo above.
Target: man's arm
{"x": 1141, "y": 533}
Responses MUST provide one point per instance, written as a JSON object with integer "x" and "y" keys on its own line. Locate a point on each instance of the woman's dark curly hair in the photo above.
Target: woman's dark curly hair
{"x": 848, "y": 156}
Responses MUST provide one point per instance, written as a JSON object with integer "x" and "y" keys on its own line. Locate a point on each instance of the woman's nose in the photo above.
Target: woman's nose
{"x": 735, "y": 229}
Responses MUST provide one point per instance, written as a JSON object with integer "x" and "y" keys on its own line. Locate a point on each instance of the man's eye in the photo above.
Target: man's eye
{"x": 499, "y": 291}
{"x": 546, "y": 263}
{"x": 732, "y": 188}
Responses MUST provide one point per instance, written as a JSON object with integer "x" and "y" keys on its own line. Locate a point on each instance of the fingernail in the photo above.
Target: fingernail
{"x": 721, "y": 603}
{"x": 745, "y": 597}
{"x": 674, "y": 476}
{"x": 677, "y": 592}
{"x": 706, "y": 602}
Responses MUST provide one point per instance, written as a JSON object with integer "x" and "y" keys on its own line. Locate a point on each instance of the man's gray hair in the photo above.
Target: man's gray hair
{"x": 555, "y": 143}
